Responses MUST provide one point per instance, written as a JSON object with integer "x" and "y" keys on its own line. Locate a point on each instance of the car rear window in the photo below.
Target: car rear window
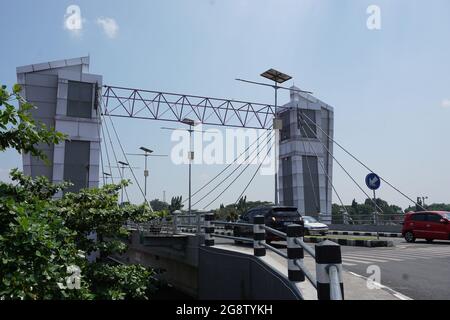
{"x": 447, "y": 215}
{"x": 285, "y": 212}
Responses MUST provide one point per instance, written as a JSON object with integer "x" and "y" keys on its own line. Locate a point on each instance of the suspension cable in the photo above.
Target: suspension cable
{"x": 223, "y": 191}
{"x": 107, "y": 154}
{"x": 348, "y": 174}
{"x": 100, "y": 148}
{"x": 229, "y": 175}
{"x": 229, "y": 165}
{"x": 256, "y": 171}
{"x": 126, "y": 159}
{"x": 365, "y": 166}
{"x": 115, "y": 157}
{"x": 326, "y": 173}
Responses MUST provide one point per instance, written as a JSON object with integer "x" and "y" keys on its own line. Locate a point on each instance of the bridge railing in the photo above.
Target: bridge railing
{"x": 328, "y": 281}
{"x": 369, "y": 219}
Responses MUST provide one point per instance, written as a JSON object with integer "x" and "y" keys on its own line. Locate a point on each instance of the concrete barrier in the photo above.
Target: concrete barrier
{"x": 228, "y": 275}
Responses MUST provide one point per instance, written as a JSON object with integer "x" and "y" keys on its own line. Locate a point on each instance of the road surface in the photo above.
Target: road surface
{"x": 420, "y": 271}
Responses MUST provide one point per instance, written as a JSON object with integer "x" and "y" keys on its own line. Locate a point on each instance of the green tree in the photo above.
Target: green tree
{"x": 176, "y": 203}
{"x": 41, "y": 237}
{"x": 159, "y": 205}
{"x": 42, "y": 240}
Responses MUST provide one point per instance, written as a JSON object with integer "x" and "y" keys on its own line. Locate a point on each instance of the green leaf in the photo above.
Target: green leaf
{"x": 17, "y": 88}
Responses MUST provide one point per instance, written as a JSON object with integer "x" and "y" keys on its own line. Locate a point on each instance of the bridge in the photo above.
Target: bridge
{"x": 205, "y": 264}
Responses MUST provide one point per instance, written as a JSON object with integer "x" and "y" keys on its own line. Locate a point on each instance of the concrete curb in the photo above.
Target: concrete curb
{"x": 342, "y": 242}
{"x": 367, "y": 234}
{"x": 351, "y": 242}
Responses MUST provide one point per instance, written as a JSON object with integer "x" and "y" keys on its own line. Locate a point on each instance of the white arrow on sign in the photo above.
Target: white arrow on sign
{"x": 373, "y": 181}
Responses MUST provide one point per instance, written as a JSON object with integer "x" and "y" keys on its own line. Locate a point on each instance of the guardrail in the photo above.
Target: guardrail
{"x": 327, "y": 255}
{"x": 328, "y": 281}
{"x": 369, "y": 219}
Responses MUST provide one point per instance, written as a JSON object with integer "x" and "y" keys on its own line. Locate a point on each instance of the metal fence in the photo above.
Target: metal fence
{"x": 327, "y": 255}
{"x": 369, "y": 219}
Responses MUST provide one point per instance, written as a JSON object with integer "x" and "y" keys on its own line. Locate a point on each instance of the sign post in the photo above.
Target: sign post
{"x": 373, "y": 182}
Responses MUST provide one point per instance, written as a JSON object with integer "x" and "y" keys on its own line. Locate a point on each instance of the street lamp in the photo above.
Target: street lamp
{"x": 146, "y": 153}
{"x": 123, "y": 165}
{"x": 278, "y": 78}
{"x": 191, "y": 123}
{"x": 106, "y": 175}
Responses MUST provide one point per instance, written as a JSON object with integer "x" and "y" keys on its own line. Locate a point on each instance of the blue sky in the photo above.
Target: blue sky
{"x": 389, "y": 87}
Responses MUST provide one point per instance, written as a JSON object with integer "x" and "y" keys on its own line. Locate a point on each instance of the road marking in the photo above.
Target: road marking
{"x": 401, "y": 255}
{"x": 357, "y": 261}
{"x": 383, "y": 256}
{"x": 396, "y": 294}
{"x": 375, "y": 258}
{"x": 348, "y": 264}
{"x": 363, "y": 258}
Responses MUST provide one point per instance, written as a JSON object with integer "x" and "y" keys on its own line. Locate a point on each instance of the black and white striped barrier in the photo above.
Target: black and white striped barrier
{"x": 259, "y": 236}
{"x": 329, "y": 271}
{"x": 352, "y": 242}
{"x": 366, "y": 234}
{"x": 295, "y": 253}
{"x": 209, "y": 229}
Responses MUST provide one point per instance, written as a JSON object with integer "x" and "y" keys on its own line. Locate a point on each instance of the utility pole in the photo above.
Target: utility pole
{"x": 191, "y": 123}
{"x": 123, "y": 165}
{"x": 147, "y": 153}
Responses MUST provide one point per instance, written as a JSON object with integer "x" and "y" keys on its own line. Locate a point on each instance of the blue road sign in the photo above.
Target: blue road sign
{"x": 373, "y": 181}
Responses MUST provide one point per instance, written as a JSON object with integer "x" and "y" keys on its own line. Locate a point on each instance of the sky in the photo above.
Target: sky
{"x": 389, "y": 86}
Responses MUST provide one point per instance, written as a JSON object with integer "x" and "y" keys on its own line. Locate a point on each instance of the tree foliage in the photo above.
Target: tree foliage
{"x": 18, "y": 130}
{"x": 42, "y": 237}
{"x": 159, "y": 205}
{"x": 45, "y": 241}
{"x": 176, "y": 203}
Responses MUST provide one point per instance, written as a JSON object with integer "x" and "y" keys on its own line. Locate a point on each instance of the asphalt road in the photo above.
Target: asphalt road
{"x": 419, "y": 270}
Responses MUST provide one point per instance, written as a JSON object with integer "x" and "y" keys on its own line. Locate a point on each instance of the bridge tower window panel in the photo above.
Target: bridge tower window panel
{"x": 307, "y": 123}
{"x": 288, "y": 194}
{"x": 285, "y": 132}
{"x": 76, "y": 164}
{"x": 79, "y": 99}
{"x": 311, "y": 185}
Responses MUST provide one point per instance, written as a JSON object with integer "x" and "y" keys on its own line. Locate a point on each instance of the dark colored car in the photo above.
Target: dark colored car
{"x": 276, "y": 217}
{"x": 429, "y": 225}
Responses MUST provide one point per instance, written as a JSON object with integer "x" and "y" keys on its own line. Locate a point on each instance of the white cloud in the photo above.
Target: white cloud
{"x": 109, "y": 26}
{"x": 445, "y": 103}
{"x": 73, "y": 22}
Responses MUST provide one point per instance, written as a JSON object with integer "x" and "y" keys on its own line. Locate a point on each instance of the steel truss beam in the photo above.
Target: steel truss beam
{"x": 154, "y": 105}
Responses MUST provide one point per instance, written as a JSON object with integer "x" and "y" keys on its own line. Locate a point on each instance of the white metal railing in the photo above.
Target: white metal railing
{"x": 327, "y": 255}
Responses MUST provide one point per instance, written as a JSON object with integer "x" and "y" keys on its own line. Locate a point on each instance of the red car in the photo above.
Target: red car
{"x": 428, "y": 225}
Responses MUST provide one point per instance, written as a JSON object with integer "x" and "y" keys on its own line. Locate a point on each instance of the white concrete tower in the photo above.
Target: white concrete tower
{"x": 305, "y": 165}
{"x": 65, "y": 96}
